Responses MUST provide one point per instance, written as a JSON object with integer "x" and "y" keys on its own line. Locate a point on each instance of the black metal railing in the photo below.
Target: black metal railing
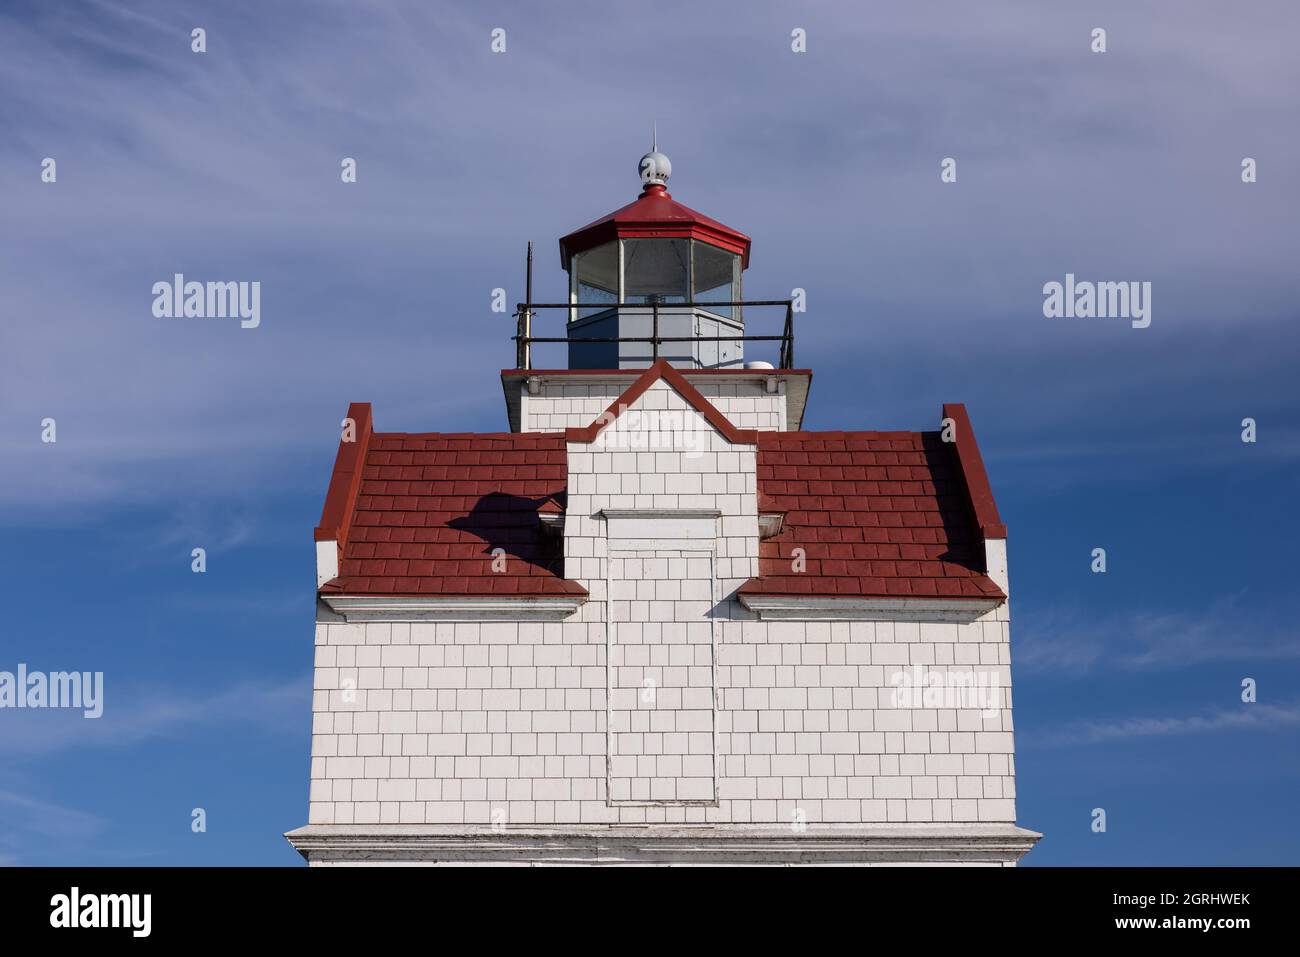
{"x": 524, "y": 337}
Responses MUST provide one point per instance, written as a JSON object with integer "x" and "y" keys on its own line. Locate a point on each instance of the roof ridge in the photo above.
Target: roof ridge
{"x": 822, "y": 433}
{"x": 662, "y": 369}
{"x": 345, "y": 480}
{"x": 983, "y": 506}
{"x": 473, "y": 435}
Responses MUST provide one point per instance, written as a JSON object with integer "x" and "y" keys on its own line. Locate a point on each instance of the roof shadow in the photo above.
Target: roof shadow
{"x": 511, "y": 523}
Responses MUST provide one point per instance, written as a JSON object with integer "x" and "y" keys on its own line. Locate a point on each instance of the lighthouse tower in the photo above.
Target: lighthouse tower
{"x": 657, "y": 621}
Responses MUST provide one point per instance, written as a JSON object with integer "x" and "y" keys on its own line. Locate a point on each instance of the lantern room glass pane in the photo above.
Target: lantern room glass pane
{"x": 717, "y": 277}
{"x": 655, "y": 270}
{"x": 596, "y": 273}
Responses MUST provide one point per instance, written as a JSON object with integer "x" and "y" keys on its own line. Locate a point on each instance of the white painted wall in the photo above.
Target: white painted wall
{"x": 564, "y": 403}
{"x": 451, "y": 722}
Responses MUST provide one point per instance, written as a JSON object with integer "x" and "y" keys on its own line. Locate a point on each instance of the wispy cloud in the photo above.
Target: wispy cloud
{"x": 28, "y": 815}
{"x": 190, "y": 525}
{"x": 225, "y": 166}
{"x": 1071, "y": 641}
{"x": 132, "y": 716}
{"x": 1143, "y": 456}
{"x": 1249, "y": 717}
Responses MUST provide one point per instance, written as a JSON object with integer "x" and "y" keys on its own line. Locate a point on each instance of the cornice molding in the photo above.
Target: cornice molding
{"x": 455, "y": 608}
{"x": 844, "y": 844}
{"x": 853, "y": 608}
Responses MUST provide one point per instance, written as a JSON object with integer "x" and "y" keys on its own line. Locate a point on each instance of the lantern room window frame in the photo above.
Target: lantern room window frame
{"x": 694, "y": 245}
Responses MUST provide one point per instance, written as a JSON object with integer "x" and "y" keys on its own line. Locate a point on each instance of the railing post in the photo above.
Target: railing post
{"x": 526, "y": 321}
{"x": 528, "y": 339}
{"x": 789, "y": 336}
{"x": 519, "y": 337}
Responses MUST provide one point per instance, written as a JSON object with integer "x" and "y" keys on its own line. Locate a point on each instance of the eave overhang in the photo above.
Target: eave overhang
{"x": 711, "y": 844}
{"x": 797, "y": 383}
{"x": 867, "y": 608}
{"x": 454, "y": 607}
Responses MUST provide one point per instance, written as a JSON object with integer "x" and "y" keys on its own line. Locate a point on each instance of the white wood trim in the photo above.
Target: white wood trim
{"x": 661, "y": 527}
{"x": 715, "y": 844}
{"x": 807, "y": 607}
{"x": 715, "y": 697}
{"x": 649, "y": 521}
{"x": 327, "y": 561}
{"x": 995, "y": 560}
{"x": 458, "y": 608}
{"x": 661, "y": 512}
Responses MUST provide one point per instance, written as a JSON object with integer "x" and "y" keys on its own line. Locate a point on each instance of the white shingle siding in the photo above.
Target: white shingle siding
{"x": 561, "y": 405}
{"x": 511, "y": 717}
{"x": 506, "y": 722}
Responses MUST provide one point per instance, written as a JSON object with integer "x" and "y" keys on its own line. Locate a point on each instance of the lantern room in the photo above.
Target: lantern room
{"x": 658, "y": 272}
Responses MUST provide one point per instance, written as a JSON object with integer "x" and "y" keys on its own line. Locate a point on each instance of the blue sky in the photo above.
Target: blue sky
{"x": 172, "y": 435}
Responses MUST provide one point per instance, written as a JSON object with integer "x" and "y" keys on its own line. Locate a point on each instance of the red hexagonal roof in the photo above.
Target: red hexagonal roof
{"x": 655, "y": 214}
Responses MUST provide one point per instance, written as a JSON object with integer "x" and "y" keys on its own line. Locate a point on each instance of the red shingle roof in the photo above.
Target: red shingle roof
{"x": 876, "y": 514}
{"x": 431, "y": 509}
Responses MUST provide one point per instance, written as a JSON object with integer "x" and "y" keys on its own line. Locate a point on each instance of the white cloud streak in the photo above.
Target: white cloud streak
{"x": 1249, "y": 717}
{"x": 1075, "y": 643}
{"x": 132, "y": 717}
{"x": 225, "y": 166}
